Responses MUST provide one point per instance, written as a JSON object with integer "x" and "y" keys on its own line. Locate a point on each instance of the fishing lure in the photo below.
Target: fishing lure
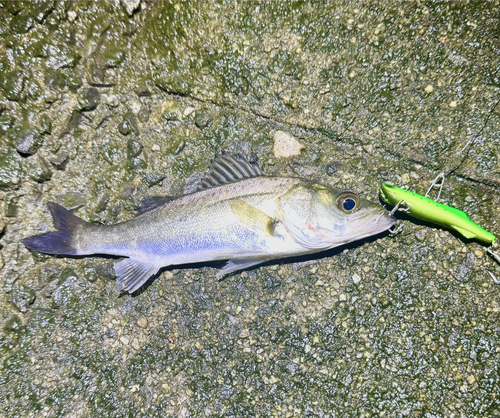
{"x": 428, "y": 210}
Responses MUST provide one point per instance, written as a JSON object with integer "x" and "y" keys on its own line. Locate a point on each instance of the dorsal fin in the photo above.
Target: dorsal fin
{"x": 225, "y": 169}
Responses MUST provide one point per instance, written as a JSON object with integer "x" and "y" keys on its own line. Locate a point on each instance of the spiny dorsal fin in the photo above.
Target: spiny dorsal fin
{"x": 225, "y": 169}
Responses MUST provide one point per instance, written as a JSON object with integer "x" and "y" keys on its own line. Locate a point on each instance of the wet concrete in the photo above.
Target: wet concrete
{"x": 103, "y": 104}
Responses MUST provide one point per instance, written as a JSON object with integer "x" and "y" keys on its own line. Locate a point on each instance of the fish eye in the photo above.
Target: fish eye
{"x": 347, "y": 202}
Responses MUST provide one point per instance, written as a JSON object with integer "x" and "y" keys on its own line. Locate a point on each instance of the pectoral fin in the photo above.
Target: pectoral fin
{"x": 132, "y": 274}
{"x": 253, "y": 218}
{"x": 235, "y": 265}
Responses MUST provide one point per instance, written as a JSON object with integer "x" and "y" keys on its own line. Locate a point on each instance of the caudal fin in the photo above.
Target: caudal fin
{"x": 61, "y": 241}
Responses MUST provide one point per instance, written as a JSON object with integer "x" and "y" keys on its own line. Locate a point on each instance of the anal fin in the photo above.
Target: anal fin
{"x": 235, "y": 265}
{"x": 132, "y": 274}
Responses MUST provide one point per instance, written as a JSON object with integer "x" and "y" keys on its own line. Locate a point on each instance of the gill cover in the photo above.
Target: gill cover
{"x": 315, "y": 215}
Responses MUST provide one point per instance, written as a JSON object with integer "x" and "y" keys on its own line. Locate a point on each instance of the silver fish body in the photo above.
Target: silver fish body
{"x": 246, "y": 221}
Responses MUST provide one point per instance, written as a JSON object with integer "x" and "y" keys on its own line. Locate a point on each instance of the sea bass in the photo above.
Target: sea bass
{"x": 240, "y": 215}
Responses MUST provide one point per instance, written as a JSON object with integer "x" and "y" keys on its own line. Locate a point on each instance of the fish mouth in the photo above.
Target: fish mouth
{"x": 372, "y": 224}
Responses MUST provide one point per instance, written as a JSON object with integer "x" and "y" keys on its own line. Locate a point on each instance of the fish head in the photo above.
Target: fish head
{"x": 320, "y": 217}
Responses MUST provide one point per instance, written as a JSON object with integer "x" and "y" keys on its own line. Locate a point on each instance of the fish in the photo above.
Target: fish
{"x": 239, "y": 215}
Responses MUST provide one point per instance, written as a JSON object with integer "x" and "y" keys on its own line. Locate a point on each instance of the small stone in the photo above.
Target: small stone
{"x": 453, "y": 104}
{"x": 106, "y": 270}
{"x": 471, "y": 379}
{"x": 272, "y": 380}
{"x": 198, "y": 345}
{"x": 14, "y": 7}
{"x": 89, "y": 99}
{"x": 151, "y": 179}
{"x": 73, "y": 200}
{"x": 128, "y": 124}
{"x": 479, "y": 253}
{"x": 202, "y": 120}
{"x": 113, "y": 57}
{"x": 6, "y": 122}
{"x": 42, "y": 10}
{"x": 45, "y": 124}
{"x": 187, "y": 111}
{"x": 138, "y": 164}
{"x": 22, "y": 298}
{"x": 142, "y": 322}
{"x": 124, "y": 340}
{"x": 244, "y": 333}
{"x": 12, "y": 84}
{"x": 27, "y": 141}
{"x": 285, "y": 145}
{"x": 171, "y": 111}
{"x": 49, "y": 273}
{"x": 134, "y": 148}
{"x": 135, "y": 344}
{"x": 103, "y": 202}
{"x": 39, "y": 169}
{"x": 144, "y": 92}
{"x": 54, "y": 80}
{"x": 343, "y": 297}
{"x": 429, "y": 89}
{"x": 332, "y": 168}
{"x": 111, "y": 100}
{"x": 356, "y": 278}
{"x": 11, "y": 207}
{"x": 130, "y": 5}
{"x": 368, "y": 149}
{"x": 14, "y": 324}
{"x": 143, "y": 114}
{"x": 60, "y": 160}
{"x": 21, "y": 24}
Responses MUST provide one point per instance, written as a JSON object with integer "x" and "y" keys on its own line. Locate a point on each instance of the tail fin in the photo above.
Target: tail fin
{"x": 61, "y": 241}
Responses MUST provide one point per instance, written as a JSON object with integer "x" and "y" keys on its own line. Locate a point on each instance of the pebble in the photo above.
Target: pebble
{"x": 130, "y": 5}
{"x": 142, "y": 322}
{"x": 39, "y": 169}
{"x": 22, "y": 298}
{"x": 356, "y": 278}
{"x": 429, "y": 89}
{"x": 187, "y": 111}
{"x": 285, "y": 145}
{"x": 128, "y": 124}
{"x": 27, "y": 141}
{"x": 111, "y": 100}
{"x": 202, "y": 120}
{"x": 60, "y": 160}
{"x": 89, "y": 99}
{"x": 244, "y": 333}
{"x": 134, "y": 148}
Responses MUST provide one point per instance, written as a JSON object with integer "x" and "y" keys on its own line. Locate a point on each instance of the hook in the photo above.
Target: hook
{"x": 441, "y": 177}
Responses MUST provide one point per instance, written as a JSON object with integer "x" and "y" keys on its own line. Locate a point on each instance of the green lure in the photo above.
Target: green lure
{"x": 431, "y": 211}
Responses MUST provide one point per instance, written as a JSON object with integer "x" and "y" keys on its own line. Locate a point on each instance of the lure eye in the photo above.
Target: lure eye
{"x": 347, "y": 202}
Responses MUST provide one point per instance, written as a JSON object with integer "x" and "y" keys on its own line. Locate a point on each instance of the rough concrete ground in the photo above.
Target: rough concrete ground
{"x": 104, "y": 103}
